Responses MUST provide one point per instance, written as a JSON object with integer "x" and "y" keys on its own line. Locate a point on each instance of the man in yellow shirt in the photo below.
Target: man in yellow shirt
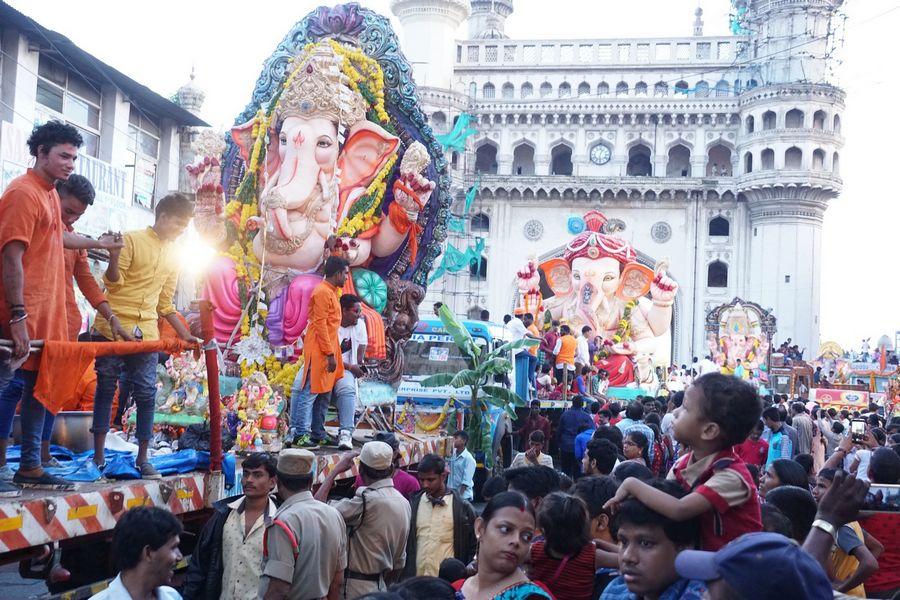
{"x": 140, "y": 282}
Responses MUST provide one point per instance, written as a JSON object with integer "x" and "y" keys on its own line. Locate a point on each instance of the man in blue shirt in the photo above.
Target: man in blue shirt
{"x": 572, "y": 422}
{"x": 462, "y": 467}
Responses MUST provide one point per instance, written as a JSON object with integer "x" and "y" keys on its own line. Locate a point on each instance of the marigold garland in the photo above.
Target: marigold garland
{"x": 623, "y": 331}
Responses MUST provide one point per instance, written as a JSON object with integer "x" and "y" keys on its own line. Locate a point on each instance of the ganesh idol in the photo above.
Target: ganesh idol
{"x": 598, "y": 282}
{"x": 321, "y": 168}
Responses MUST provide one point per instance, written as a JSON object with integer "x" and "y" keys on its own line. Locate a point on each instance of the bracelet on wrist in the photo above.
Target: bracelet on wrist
{"x": 18, "y": 319}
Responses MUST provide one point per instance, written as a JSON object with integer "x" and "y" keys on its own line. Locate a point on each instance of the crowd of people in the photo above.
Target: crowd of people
{"x": 690, "y": 499}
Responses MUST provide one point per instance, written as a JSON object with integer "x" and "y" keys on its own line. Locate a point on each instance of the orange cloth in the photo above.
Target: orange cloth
{"x": 30, "y": 213}
{"x": 533, "y": 330}
{"x": 83, "y": 399}
{"x": 321, "y": 339}
{"x": 566, "y": 350}
{"x": 77, "y": 267}
{"x": 55, "y": 385}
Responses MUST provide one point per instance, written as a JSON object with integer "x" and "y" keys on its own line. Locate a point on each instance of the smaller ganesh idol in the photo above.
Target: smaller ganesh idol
{"x": 598, "y": 282}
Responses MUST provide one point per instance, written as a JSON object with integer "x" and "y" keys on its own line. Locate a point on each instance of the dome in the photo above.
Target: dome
{"x": 190, "y": 97}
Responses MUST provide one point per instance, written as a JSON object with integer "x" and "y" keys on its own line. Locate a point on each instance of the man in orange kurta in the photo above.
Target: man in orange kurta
{"x": 322, "y": 364}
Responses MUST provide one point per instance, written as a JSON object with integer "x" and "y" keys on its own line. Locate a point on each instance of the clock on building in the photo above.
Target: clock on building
{"x": 600, "y": 154}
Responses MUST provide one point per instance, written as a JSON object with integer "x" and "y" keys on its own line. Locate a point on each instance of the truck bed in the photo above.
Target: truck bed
{"x": 40, "y": 516}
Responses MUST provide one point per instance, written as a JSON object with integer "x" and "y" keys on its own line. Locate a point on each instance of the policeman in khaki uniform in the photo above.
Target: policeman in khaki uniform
{"x": 377, "y": 519}
{"x": 305, "y": 544}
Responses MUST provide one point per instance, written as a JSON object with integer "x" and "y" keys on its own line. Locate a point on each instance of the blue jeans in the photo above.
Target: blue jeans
{"x": 522, "y": 377}
{"x": 9, "y": 400}
{"x": 308, "y": 409}
{"x": 140, "y": 371}
{"x": 33, "y": 413}
{"x": 532, "y": 370}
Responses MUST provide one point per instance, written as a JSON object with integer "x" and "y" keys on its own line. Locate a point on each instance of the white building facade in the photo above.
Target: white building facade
{"x": 718, "y": 154}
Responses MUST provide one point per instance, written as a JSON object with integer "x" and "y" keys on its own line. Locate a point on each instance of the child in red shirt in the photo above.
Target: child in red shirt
{"x": 718, "y": 412}
{"x": 753, "y": 450}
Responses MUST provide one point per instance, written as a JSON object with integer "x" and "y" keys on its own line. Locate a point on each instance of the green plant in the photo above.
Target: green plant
{"x": 483, "y": 367}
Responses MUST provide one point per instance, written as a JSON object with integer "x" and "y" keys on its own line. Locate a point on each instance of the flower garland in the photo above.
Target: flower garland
{"x": 442, "y": 416}
{"x": 623, "y": 331}
{"x": 367, "y": 79}
{"x": 362, "y": 216}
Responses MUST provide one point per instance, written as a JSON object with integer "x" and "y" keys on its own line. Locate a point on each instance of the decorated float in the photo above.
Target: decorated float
{"x": 599, "y": 281}
{"x": 741, "y": 333}
{"x": 331, "y": 156}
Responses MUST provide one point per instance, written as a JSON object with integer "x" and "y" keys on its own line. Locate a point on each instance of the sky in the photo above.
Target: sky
{"x": 226, "y": 43}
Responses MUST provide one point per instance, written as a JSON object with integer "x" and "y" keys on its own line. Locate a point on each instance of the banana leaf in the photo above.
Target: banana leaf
{"x": 503, "y": 394}
{"x": 461, "y": 336}
{"x": 513, "y": 347}
{"x": 438, "y": 380}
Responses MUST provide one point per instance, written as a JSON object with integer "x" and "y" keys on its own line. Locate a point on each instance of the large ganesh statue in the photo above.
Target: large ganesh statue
{"x": 599, "y": 282}
{"x": 740, "y": 331}
{"x": 332, "y": 156}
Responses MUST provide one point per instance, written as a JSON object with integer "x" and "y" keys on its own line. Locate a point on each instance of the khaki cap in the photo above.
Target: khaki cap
{"x": 295, "y": 462}
{"x": 377, "y": 455}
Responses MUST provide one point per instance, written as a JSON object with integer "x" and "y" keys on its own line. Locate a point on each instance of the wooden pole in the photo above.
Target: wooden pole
{"x": 210, "y": 349}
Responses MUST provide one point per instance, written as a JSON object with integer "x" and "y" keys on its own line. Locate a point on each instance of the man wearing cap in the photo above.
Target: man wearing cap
{"x": 377, "y": 520}
{"x": 404, "y": 483}
{"x": 305, "y": 544}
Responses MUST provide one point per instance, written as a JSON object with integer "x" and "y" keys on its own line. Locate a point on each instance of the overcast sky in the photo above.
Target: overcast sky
{"x": 227, "y": 42}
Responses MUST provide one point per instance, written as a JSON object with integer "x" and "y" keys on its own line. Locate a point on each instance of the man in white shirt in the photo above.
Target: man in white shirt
{"x": 534, "y": 456}
{"x": 354, "y": 339}
{"x": 145, "y": 548}
{"x": 708, "y": 366}
{"x": 517, "y": 330}
{"x": 582, "y": 350}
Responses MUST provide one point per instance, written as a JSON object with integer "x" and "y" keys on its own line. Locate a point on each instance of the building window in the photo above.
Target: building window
{"x": 704, "y": 50}
{"x": 663, "y": 52}
{"x": 561, "y": 160}
{"x": 565, "y": 90}
{"x": 585, "y": 53}
{"x": 584, "y": 89}
{"x": 624, "y": 52}
{"x": 719, "y": 227}
{"x": 793, "y": 158}
{"x": 787, "y": 278}
{"x": 748, "y": 162}
{"x": 683, "y": 51}
{"x": 818, "y": 163}
{"x": 567, "y": 54}
{"x": 473, "y": 54}
{"x": 527, "y": 90}
{"x": 767, "y": 158}
{"x": 523, "y": 160}
{"x": 508, "y": 91}
{"x": 640, "y": 89}
{"x": 621, "y": 89}
{"x": 768, "y": 120}
{"x": 65, "y": 96}
{"x": 750, "y": 124}
{"x": 509, "y": 53}
{"x": 490, "y": 54}
{"x": 478, "y": 270}
{"x": 605, "y": 52}
{"x": 837, "y": 124}
{"x": 643, "y": 52}
{"x": 718, "y": 161}
{"x": 486, "y": 159}
{"x": 717, "y": 275}
{"x": 794, "y": 119}
{"x": 819, "y": 120}
{"x": 702, "y": 89}
{"x": 724, "y": 50}
{"x": 722, "y": 88}
{"x": 439, "y": 122}
{"x": 661, "y": 89}
{"x": 546, "y": 89}
{"x": 603, "y": 89}
{"x": 679, "y": 164}
{"x": 529, "y": 54}
{"x": 639, "y": 164}
{"x": 681, "y": 87}
{"x": 143, "y": 142}
{"x": 836, "y": 164}
{"x": 487, "y": 91}
{"x": 547, "y": 54}
{"x": 481, "y": 222}
{"x": 458, "y": 53}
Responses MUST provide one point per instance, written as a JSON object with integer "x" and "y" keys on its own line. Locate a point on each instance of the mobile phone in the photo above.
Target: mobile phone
{"x": 882, "y": 498}
{"x": 857, "y": 430}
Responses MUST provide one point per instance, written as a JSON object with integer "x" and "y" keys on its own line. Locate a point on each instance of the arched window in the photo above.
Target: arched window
{"x": 751, "y": 123}
{"x": 621, "y": 89}
{"x": 640, "y": 89}
{"x": 565, "y": 90}
{"x": 546, "y": 89}
{"x": 718, "y": 161}
{"x": 767, "y": 159}
{"x": 508, "y": 91}
{"x": 561, "y": 160}
{"x": 486, "y": 159}
{"x": 717, "y": 275}
{"x": 487, "y": 91}
{"x": 722, "y": 88}
{"x": 454, "y": 159}
{"x": 481, "y": 222}
{"x": 679, "y": 164}
{"x": 793, "y": 119}
{"x": 819, "y": 119}
{"x": 523, "y": 160}
{"x": 584, "y": 89}
{"x": 478, "y": 270}
{"x": 752, "y": 84}
{"x": 836, "y": 164}
{"x": 837, "y": 123}
{"x": 702, "y": 89}
{"x": 661, "y": 89}
{"x": 768, "y": 120}
{"x": 681, "y": 87}
{"x": 527, "y": 90}
{"x": 639, "y": 164}
{"x": 603, "y": 89}
{"x": 793, "y": 158}
{"x": 473, "y": 89}
{"x": 439, "y": 122}
{"x": 719, "y": 227}
{"x": 748, "y": 162}
{"x": 818, "y": 163}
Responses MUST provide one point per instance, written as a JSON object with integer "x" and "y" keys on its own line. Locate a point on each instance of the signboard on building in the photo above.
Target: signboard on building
{"x": 111, "y": 204}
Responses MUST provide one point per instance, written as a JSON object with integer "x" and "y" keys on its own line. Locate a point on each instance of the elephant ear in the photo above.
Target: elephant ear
{"x": 558, "y": 273}
{"x": 243, "y": 139}
{"x": 367, "y": 149}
